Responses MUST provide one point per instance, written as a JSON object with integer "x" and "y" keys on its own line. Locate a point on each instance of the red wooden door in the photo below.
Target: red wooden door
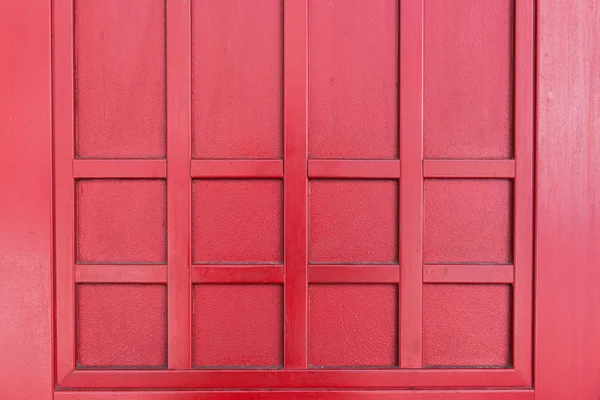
{"x": 294, "y": 195}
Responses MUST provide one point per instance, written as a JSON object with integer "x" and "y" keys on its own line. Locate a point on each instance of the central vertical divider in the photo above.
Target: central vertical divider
{"x": 295, "y": 106}
{"x": 178, "y": 182}
{"x": 411, "y": 184}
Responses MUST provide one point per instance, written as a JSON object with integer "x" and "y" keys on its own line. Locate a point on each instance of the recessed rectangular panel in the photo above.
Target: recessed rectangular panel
{"x": 120, "y": 78}
{"x": 237, "y": 78}
{"x": 121, "y": 221}
{"x": 466, "y": 325}
{"x": 467, "y": 221}
{"x": 468, "y": 78}
{"x": 353, "y": 85}
{"x": 237, "y": 221}
{"x": 353, "y": 325}
{"x": 353, "y": 221}
{"x": 121, "y": 326}
{"x": 237, "y": 326}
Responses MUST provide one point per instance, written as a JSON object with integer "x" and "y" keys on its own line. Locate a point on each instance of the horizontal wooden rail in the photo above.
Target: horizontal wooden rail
{"x": 468, "y": 273}
{"x": 526, "y": 394}
{"x": 358, "y": 169}
{"x": 237, "y": 169}
{"x": 273, "y": 273}
{"x": 155, "y": 273}
{"x": 237, "y": 273}
{"x": 375, "y": 273}
{"x": 294, "y": 379}
{"x": 84, "y": 168}
{"x": 469, "y": 169}
{"x": 120, "y": 273}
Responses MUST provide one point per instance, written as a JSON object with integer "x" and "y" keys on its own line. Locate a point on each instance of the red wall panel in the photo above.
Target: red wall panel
{"x": 353, "y": 221}
{"x": 237, "y": 79}
{"x": 237, "y": 326}
{"x": 237, "y": 221}
{"x": 120, "y": 78}
{"x": 353, "y": 85}
{"x": 121, "y": 221}
{"x": 121, "y": 326}
{"x": 353, "y": 325}
{"x": 466, "y": 325}
{"x": 467, "y": 78}
{"x": 467, "y": 221}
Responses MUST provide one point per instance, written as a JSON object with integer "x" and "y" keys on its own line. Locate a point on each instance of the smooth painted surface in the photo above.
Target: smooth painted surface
{"x": 25, "y": 201}
{"x": 568, "y": 201}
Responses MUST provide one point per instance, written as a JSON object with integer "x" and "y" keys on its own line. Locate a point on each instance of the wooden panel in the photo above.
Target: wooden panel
{"x": 120, "y": 78}
{"x": 237, "y": 326}
{"x": 468, "y": 53}
{"x": 353, "y": 221}
{"x": 352, "y": 326}
{"x": 568, "y": 199}
{"x": 237, "y": 79}
{"x": 466, "y": 325}
{"x": 121, "y": 326}
{"x": 467, "y": 221}
{"x": 237, "y": 221}
{"x": 121, "y": 221}
{"x": 353, "y": 82}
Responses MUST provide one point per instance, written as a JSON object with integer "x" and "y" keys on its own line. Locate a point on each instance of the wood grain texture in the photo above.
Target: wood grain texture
{"x": 26, "y": 369}
{"x": 568, "y": 201}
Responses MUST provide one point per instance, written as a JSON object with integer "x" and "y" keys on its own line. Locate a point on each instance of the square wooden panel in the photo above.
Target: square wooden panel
{"x": 467, "y": 221}
{"x": 237, "y": 326}
{"x": 120, "y": 78}
{"x": 121, "y": 326}
{"x": 237, "y": 72}
{"x": 468, "y": 78}
{"x": 237, "y": 221}
{"x": 467, "y": 325}
{"x": 353, "y": 221}
{"x": 353, "y": 85}
{"x": 353, "y": 325}
{"x": 121, "y": 221}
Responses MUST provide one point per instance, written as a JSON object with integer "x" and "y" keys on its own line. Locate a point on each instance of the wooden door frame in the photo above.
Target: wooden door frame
{"x": 567, "y": 221}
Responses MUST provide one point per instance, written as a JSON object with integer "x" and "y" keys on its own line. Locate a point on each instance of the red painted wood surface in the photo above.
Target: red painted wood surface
{"x": 568, "y": 201}
{"x": 302, "y": 394}
{"x": 565, "y": 217}
{"x": 26, "y": 300}
{"x": 328, "y": 220}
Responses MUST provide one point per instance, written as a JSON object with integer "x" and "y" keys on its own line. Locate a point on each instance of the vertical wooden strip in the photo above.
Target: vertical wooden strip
{"x": 26, "y": 287}
{"x": 411, "y": 183}
{"x": 295, "y": 181}
{"x": 64, "y": 186}
{"x": 567, "y": 212}
{"x": 523, "y": 208}
{"x": 178, "y": 183}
